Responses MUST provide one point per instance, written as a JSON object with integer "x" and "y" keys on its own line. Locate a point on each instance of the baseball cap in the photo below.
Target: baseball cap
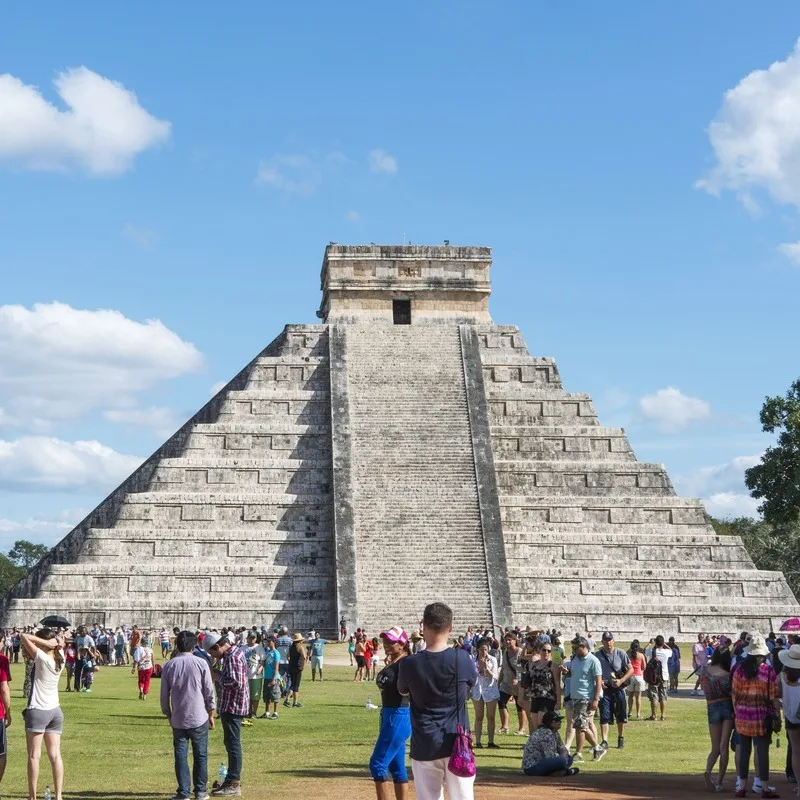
{"x": 550, "y": 717}
{"x": 608, "y": 636}
{"x": 210, "y": 639}
{"x": 252, "y": 635}
{"x": 395, "y": 634}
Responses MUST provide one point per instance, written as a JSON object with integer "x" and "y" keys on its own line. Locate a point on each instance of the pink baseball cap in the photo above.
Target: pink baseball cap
{"x": 395, "y": 634}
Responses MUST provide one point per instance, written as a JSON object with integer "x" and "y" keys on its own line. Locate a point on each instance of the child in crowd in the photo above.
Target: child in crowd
{"x": 87, "y": 671}
{"x": 69, "y": 662}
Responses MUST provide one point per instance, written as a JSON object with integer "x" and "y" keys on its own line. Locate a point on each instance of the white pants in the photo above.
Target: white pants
{"x": 431, "y": 776}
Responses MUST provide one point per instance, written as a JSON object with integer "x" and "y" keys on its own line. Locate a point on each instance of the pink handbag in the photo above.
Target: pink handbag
{"x": 462, "y": 757}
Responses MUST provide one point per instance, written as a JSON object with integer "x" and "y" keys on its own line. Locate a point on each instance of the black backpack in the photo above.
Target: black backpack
{"x": 652, "y": 672}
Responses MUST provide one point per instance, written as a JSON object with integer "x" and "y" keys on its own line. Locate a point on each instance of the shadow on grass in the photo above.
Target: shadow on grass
{"x": 84, "y": 795}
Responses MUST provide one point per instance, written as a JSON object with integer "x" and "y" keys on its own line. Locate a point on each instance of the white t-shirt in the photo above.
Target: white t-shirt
{"x": 44, "y": 691}
{"x": 663, "y": 654}
{"x": 255, "y": 656}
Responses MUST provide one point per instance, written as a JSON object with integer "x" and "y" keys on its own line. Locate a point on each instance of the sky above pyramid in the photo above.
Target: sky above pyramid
{"x": 169, "y": 177}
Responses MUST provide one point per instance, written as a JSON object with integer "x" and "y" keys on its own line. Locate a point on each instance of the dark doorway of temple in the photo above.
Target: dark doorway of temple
{"x": 401, "y": 310}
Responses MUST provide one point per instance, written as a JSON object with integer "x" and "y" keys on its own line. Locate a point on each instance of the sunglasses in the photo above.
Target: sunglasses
{"x": 547, "y": 649}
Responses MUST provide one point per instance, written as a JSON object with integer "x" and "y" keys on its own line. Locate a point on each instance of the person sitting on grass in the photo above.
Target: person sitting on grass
{"x": 544, "y": 753}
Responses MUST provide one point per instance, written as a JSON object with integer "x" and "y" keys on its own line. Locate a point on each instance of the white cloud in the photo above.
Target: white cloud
{"x": 353, "y": 216}
{"x": 47, "y": 530}
{"x": 722, "y": 487}
{"x": 381, "y": 161}
{"x": 41, "y": 463}
{"x": 671, "y": 410}
{"x": 298, "y": 173}
{"x": 58, "y": 362}
{"x": 162, "y": 421}
{"x": 756, "y": 135}
{"x": 103, "y": 129}
{"x": 729, "y": 505}
{"x": 142, "y": 236}
{"x": 792, "y": 251}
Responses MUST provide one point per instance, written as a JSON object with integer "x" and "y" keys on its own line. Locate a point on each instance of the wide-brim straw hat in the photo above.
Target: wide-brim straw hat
{"x": 757, "y": 646}
{"x": 791, "y": 657}
{"x": 298, "y": 637}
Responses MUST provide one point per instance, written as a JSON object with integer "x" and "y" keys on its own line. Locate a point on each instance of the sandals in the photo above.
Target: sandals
{"x": 651, "y": 718}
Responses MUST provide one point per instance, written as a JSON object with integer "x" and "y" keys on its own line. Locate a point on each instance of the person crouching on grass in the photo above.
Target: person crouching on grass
{"x": 389, "y": 755}
{"x": 544, "y": 753}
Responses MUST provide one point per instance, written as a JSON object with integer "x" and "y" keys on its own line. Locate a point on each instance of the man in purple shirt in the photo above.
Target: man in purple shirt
{"x": 234, "y": 705}
{"x": 187, "y": 700}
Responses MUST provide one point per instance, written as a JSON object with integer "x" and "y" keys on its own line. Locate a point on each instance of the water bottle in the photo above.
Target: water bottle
{"x": 48, "y": 794}
{"x": 369, "y": 706}
{"x": 222, "y": 772}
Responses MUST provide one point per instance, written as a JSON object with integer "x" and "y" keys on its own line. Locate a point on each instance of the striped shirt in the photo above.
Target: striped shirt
{"x": 234, "y": 690}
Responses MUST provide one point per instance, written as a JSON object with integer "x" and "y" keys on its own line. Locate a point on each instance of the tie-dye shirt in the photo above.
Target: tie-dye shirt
{"x": 752, "y": 699}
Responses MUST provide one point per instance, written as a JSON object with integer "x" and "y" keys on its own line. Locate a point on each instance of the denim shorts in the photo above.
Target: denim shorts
{"x": 720, "y": 711}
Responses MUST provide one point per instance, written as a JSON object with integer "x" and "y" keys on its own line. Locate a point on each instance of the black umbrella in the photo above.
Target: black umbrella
{"x": 55, "y": 621}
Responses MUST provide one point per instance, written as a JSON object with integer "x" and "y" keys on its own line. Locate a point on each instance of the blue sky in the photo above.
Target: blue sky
{"x": 634, "y": 168}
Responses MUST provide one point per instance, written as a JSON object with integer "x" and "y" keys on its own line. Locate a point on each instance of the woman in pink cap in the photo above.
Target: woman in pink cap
{"x": 389, "y": 755}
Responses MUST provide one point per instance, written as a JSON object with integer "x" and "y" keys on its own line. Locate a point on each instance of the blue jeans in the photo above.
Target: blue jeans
{"x": 180, "y": 743}
{"x": 389, "y": 754}
{"x": 232, "y": 737}
{"x": 548, "y": 765}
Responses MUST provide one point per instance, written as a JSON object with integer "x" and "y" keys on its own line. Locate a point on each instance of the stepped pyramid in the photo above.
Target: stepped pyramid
{"x": 405, "y": 450}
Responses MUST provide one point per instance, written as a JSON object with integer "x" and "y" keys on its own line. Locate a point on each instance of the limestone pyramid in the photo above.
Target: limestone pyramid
{"x": 405, "y": 450}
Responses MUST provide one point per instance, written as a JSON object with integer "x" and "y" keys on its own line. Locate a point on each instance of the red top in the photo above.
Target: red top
{"x": 5, "y": 675}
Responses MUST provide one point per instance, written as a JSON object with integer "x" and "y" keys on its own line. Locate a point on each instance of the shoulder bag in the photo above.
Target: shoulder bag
{"x": 462, "y": 758}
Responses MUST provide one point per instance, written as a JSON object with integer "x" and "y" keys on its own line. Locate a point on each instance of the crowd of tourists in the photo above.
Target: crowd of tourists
{"x": 541, "y": 681}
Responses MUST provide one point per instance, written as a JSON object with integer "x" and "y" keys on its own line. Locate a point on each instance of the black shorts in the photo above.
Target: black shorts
{"x": 3, "y": 740}
{"x": 361, "y": 662}
{"x": 539, "y": 704}
{"x": 504, "y": 698}
{"x": 791, "y": 726}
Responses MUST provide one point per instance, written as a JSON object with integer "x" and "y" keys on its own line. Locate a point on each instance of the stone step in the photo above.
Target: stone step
{"x": 215, "y": 535}
{"x": 683, "y": 621}
{"x": 256, "y": 427}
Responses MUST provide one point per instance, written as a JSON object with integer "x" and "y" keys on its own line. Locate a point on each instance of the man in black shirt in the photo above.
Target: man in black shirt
{"x": 438, "y": 681}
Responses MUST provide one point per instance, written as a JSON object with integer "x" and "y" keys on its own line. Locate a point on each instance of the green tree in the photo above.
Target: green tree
{"x": 777, "y": 478}
{"x": 10, "y": 573}
{"x": 773, "y": 547}
{"x": 25, "y": 554}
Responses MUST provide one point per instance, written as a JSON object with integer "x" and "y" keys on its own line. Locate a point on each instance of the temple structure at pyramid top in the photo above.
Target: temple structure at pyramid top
{"x": 405, "y": 449}
{"x": 378, "y": 283}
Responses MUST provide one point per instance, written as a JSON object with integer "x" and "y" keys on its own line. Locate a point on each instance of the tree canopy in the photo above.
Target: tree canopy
{"x": 776, "y": 479}
{"x": 26, "y": 554}
{"x": 773, "y": 547}
{"x": 20, "y": 558}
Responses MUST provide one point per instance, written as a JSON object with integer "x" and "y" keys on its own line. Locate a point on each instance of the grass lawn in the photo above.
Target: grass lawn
{"x": 116, "y": 746}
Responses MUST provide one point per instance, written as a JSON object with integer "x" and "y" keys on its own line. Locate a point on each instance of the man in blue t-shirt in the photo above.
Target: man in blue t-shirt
{"x": 316, "y": 647}
{"x": 438, "y": 681}
{"x": 272, "y": 687}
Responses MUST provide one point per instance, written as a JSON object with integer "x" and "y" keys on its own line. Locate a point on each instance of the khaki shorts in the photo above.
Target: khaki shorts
{"x": 581, "y": 716}
{"x": 658, "y": 693}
